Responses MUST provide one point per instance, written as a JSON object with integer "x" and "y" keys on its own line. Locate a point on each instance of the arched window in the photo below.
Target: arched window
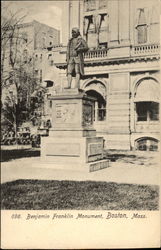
{"x": 147, "y": 100}
{"x": 146, "y": 144}
{"x": 97, "y": 90}
{"x": 141, "y": 27}
{"x": 100, "y": 106}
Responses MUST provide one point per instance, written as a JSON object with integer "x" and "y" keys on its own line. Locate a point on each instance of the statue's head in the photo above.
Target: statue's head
{"x": 75, "y": 32}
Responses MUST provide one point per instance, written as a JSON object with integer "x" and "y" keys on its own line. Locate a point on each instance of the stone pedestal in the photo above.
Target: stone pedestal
{"x": 72, "y": 142}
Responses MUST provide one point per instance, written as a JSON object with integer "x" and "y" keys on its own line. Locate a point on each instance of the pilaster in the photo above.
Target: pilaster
{"x": 124, "y": 22}
{"x": 119, "y": 111}
{"x": 113, "y": 7}
{"x": 119, "y": 32}
{"x": 65, "y": 22}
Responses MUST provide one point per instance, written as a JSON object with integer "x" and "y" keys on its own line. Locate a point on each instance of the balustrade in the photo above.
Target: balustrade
{"x": 94, "y": 54}
{"x": 148, "y": 49}
{"x": 138, "y": 50}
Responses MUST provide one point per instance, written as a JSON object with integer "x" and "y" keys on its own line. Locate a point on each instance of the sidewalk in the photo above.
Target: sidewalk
{"x": 119, "y": 172}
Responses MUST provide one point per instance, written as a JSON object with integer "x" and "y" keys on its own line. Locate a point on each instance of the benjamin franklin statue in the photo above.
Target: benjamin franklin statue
{"x": 75, "y": 63}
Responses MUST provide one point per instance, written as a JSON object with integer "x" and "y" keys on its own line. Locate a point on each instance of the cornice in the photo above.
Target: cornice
{"x": 114, "y": 61}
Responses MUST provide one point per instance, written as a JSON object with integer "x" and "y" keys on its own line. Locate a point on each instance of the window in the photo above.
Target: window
{"x": 50, "y": 58}
{"x": 25, "y": 55}
{"x": 146, "y": 144}
{"x": 147, "y": 111}
{"x": 48, "y": 124}
{"x": 90, "y": 5}
{"x": 40, "y": 75}
{"x": 141, "y": 27}
{"x": 154, "y": 111}
{"x": 101, "y": 114}
{"x": 142, "y": 33}
{"x": 102, "y": 4}
{"x": 43, "y": 42}
{"x": 99, "y": 107}
{"x": 24, "y": 37}
{"x": 36, "y": 72}
{"x": 50, "y": 104}
{"x": 95, "y": 29}
{"x": 103, "y": 45}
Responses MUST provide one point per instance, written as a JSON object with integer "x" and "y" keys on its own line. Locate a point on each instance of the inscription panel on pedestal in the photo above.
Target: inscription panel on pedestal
{"x": 66, "y": 113}
{"x": 95, "y": 151}
{"x": 94, "y": 148}
{"x": 98, "y": 165}
{"x": 63, "y": 149}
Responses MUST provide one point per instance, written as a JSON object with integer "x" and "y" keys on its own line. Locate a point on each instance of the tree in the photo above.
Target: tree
{"x": 17, "y": 69}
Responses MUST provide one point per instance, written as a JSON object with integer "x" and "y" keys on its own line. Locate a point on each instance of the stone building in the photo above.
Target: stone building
{"x": 30, "y": 43}
{"x": 28, "y": 48}
{"x": 121, "y": 67}
{"x": 39, "y": 39}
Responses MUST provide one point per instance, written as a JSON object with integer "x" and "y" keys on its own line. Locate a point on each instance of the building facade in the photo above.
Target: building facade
{"x": 29, "y": 45}
{"x": 25, "y": 58}
{"x": 121, "y": 67}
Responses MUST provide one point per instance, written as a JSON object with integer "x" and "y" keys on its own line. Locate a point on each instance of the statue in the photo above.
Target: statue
{"x": 75, "y": 63}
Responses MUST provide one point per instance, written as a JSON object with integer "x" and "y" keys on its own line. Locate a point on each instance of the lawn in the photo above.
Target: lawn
{"x": 11, "y": 154}
{"x": 88, "y": 195}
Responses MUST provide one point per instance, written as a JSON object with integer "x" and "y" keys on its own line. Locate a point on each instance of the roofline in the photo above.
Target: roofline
{"x": 32, "y": 23}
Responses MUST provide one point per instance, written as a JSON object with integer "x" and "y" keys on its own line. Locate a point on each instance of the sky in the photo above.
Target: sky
{"x": 47, "y": 12}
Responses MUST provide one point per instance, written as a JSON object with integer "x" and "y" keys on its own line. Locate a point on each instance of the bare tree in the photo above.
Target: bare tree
{"x": 17, "y": 68}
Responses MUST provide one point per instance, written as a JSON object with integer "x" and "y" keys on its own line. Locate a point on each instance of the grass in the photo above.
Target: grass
{"x": 133, "y": 157}
{"x": 88, "y": 195}
{"x": 11, "y": 154}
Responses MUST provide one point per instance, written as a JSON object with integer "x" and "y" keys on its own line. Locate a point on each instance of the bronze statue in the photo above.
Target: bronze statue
{"x": 75, "y": 63}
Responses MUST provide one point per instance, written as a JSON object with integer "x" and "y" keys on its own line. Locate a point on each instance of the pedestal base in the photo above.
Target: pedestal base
{"x": 72, "y": 142}
{"x": 85, "y": 168}
{"x": 73, "y": 150}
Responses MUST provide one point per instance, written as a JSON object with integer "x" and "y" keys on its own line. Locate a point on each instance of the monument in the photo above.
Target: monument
{"x": 75, "y": 64}
{"x": 72, "y": 142}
